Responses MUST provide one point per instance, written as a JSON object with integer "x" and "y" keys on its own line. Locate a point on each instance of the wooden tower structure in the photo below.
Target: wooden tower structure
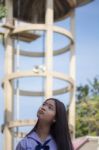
{"x": 38, "y": 16}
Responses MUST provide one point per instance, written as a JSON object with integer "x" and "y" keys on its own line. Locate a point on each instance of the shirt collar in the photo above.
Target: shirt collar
{"x": 35, "y": 136}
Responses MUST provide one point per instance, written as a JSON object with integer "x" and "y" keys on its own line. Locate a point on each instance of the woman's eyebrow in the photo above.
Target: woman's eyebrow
{"x": 51, "y": 106}
{"x": 44, "y": 103}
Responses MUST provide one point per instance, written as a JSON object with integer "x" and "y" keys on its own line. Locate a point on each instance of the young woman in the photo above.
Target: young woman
{"x": 51, "y": 131}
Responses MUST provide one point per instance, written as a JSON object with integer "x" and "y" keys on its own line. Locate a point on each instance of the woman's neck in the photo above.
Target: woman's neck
{"x": 42, "y": 130}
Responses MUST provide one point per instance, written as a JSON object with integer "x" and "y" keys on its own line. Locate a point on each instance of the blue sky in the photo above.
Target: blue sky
{"x": 87, "y": 46}
{"x": 87, "y": 54}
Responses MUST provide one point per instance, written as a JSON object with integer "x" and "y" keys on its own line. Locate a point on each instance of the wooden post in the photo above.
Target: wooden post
{"x": 49, "y": 48}
{"x": 8, "y": 88}
{"x": 73, "y": 75}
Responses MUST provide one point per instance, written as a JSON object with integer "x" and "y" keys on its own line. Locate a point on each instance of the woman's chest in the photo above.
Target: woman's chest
{"x": 33, "y": 145}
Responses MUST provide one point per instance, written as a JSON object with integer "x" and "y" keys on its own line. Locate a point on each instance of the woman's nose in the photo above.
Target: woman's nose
{"x": 43, "y": 108}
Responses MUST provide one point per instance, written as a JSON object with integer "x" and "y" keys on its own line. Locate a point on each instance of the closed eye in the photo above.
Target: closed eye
{"x": 51, "y": 107}
{"x": 44, "y": 104}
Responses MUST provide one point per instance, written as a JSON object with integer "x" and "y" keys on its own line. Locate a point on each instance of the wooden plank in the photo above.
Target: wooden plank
{"x": 26, "y": 36}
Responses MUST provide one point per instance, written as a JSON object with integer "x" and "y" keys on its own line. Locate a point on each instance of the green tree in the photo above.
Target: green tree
{"x": 94, "y": 87}
{"x": 2, "y": 11}
{"x": 2, "y": 15}
{"x": 87, "y": 109}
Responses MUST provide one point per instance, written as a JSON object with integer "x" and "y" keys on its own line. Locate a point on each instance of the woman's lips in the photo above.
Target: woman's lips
{"x": 41, "y": 111}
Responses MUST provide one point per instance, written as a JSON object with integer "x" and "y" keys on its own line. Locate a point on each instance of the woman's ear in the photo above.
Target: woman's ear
{"x": 54, "y": 120}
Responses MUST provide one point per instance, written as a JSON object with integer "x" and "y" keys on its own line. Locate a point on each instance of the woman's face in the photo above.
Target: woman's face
{"x": 47, "y": 112}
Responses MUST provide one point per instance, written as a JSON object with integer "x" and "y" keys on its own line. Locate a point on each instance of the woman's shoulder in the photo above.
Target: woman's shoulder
{"x": 22, "y": 144}
{"x": 25, "y": 142}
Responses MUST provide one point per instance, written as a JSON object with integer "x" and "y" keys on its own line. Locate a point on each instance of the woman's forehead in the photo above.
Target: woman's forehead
{"x": 50, "y": 102}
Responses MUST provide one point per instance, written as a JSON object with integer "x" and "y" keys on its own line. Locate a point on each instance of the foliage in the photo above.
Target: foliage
{"x": 2, "y": 11}
{"x": 87, "y": 109}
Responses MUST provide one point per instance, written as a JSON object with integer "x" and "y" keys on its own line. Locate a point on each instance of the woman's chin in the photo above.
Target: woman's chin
{"x": 40, "y": 116}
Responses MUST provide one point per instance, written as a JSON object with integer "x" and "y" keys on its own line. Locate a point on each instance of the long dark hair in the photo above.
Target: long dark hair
{"x": 60, "y": 129}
